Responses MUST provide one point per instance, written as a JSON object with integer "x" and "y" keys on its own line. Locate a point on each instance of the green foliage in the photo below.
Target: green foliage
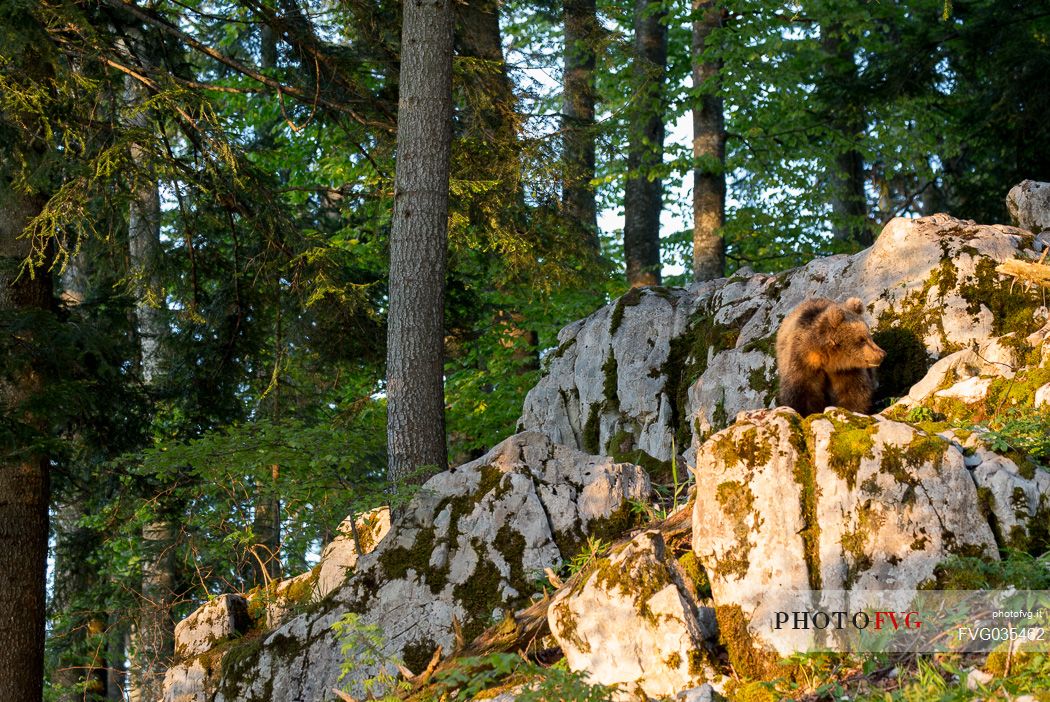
{"x": 1017, "y": 569}
{"x": 1024, "y": 430}
{"x": 472, "y": 676}
{"x": 362, "y": 648}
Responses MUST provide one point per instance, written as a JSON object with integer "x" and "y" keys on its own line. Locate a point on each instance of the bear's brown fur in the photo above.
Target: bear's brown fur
{"x": 826, "y": 356}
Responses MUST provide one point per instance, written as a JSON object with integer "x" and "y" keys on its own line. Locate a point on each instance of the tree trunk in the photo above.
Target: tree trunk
{"x": 581, "y": 36}
{"x": 154, "y": 643}
{"x": 24, "y": 477}
{"x": 849, "y": 207}
{"x": 415, "y": 324}
{"x": 643, "y": 195}
{"x": 709, "y": 149}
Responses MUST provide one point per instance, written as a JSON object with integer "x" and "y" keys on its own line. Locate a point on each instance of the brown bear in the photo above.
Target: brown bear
{"x": 826, "y": 356}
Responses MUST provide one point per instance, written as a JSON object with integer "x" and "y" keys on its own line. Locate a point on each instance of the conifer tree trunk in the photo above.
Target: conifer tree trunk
{"x": 578, "y": 98}
{"x": 415, "y": 322}
{"x": 24, "y": 476}
{"x": 849, "y": 206}
{"x": 154, "y": 642}
{"x": 709, "y": 150}
{"x": 643, "y": 194}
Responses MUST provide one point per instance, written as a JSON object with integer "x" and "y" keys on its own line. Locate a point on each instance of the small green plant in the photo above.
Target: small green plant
{"x": 362, "y": 645}
{"x": 919, "y": 413}
{"x": 595, "y": 549}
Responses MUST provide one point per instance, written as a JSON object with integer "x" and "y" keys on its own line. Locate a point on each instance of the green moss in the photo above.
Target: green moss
{"x": 417, "y": 654}
{"x": 368, "y": 532}
{"x": 687, "y": 361}
{"x": 511, "y": 544}
{"x": 924, "y": 449}
{"x": 747, "y": 660}
{"x": 1012, "y": 307}
{"x": 753, "y": 691}
{"x": 806, "y": 477}
{"x": 765, "y": 344}
{"x": 748, "y": 448}
{"x": 563, "y": 347}
{"x": 592, "y": 429}
{"x": 696, "y": 574}
{"x": 699, "y": 661}
{"x": 611, "y": 380}
{"x": 629, "y": 299}
{"x": 673, "y": 660}
{"x": 986, "y": 505}
{"x": 568, "y": 627}
{"x": 637, "y": 577}
{"x": 850, "y": 442}
{"x": 480, "y": 594}
{"x": 302, "y": 591}
{"x": 915, "y": 314}
{"x": 239, "y": 661}
{"x": 396, "y": 562}
{"x": 618, "y": 523}
{"x": 1019, "y": 391}
{"x": 854, "y": 543}
{"x": 737, "y": 503}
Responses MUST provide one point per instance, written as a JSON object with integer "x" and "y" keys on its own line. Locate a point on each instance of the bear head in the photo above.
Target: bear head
{"x": 845, "y": 338}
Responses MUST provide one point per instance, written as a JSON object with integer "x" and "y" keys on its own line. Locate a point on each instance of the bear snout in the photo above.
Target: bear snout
{"x": 874, "y": 354}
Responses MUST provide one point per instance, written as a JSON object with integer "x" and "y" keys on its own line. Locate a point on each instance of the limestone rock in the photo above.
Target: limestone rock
{"x": 633, "y": 623}
{"x": 966, "y": 372}
{"x": 704, "y": 693}
{"x": 468, "y": 548}
{"x": 1029, "y": 205}
{"x": 187, "y": 682}
{"x": 664, "y": 363}
{"x": 1018, "y": 499}
{"x": 215, "y": 621}
{"x": 283, "y": 599}
{"x": 838, "y": 501}
{"x": 1042, "y": 396}
{"x": 340, "y": 556}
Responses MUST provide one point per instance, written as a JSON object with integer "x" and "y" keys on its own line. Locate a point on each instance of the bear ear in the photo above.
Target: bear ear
{"x": 855, "y": 305}
{"x": 834, "y": 316}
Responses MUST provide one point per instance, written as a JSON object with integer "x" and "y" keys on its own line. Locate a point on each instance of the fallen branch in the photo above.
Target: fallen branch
{"x": 1032, "y": 272}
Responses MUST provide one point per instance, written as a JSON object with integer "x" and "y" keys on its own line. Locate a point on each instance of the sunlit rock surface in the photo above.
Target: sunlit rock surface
{"x": 632, "y": 622}
{"x": 663, "y": 363}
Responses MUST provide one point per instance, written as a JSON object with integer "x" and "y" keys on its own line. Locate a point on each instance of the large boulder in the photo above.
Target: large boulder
{"x": 835, "y": 502}
{"x": 661, "y": 364}
{"x": 1029, "y": 205}
{"x": 467, "y": 551}
{"x": 632, "y": 622}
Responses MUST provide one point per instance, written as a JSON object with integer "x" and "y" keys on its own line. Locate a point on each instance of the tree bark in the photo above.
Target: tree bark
{"x": 415, "y": 325}
{"x": 154, "y": 639}
{"x": 709, "y": 149}
{"x": 578, "y": 98}
{"x": 643, "y": 194}
{"x": 24, "y": 475}
{"x": 849, "y": 207}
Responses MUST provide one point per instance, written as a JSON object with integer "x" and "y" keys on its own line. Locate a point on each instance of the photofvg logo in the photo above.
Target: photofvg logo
{"x": 903, "y": 621}
{"x": 820, "y": 619}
